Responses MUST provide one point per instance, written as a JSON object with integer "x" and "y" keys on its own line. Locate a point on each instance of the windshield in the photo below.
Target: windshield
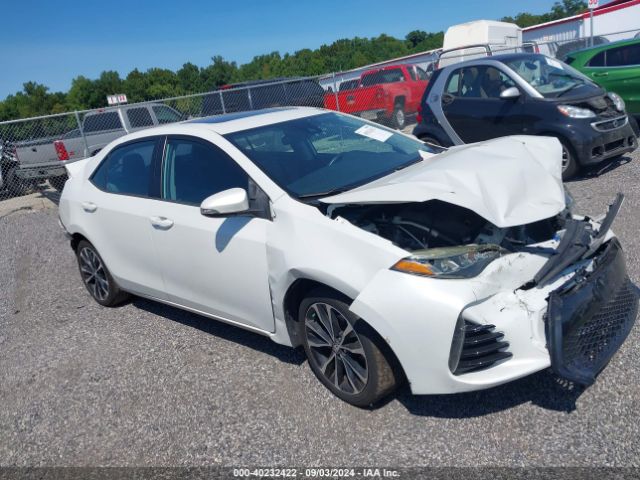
{"x": 328, "y": 153}
{"x": 550, "y": 77}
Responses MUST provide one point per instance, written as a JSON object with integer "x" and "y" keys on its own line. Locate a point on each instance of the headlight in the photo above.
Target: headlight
{"x": 575, "y": 112}
{"x": 617, "y": 100}
{"x": 450, "y": 262}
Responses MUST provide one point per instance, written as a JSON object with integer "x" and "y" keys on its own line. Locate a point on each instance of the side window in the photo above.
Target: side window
{"x": 127, "y": 170}
{"x": 139, "y": 117}
{"x": 494, "y": 82}
{"x": 598, "y": 60}
{"x": 102, "y": 121}
{"x": 623, "y": 56}
{"x": 166, "y": 114}
{"x": 194, "y": 170}
{"x": 453, "y": 83}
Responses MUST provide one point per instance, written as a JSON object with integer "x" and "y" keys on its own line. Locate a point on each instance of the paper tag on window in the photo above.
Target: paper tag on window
{"x": 554, "y": 63}
{"x": 373, "y": 132}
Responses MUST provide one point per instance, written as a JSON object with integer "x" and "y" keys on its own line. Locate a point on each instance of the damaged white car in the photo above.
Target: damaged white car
{"x": 386, "y": 259}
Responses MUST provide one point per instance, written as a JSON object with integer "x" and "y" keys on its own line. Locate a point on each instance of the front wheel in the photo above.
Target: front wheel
{"x": 97, "y": 278}
{"x": 345, "y": 353}
{"x": 570, "y": 165}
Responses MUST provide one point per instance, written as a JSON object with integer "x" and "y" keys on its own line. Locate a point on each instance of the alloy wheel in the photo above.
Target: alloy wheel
{"x": 400, "y": 118}
{"x": 94, "y": 274}
{"x": 335, "y": 348}
{"x": 565, "y": 158}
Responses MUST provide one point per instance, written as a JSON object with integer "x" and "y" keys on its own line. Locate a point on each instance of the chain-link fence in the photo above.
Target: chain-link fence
{"x": 34, "y": 150}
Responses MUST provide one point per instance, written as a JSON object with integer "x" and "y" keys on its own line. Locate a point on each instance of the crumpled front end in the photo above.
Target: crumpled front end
{"x": 565, "y": 302}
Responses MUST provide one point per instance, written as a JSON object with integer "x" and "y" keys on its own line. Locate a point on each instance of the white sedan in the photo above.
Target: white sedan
{"x": 385, "y": 258}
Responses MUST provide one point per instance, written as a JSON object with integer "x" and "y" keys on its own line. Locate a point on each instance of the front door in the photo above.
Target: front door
{"x": 216, "y": 266}
{"x": 472, "y": 105}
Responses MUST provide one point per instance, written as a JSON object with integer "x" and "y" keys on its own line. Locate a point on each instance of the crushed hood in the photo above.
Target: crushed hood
{"x": 509, "y": 181}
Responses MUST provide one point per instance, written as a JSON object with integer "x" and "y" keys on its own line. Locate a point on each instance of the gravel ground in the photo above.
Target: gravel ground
{"x": 147, "y": 384}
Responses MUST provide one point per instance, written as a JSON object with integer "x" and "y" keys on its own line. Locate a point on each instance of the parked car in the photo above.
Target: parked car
{"x": 259, "y": 94}
{"x": 615, "y": 67}
{"x": 386, "y": 95}
{"x": 525, "y": 94}
{"x": 44, "y": 158}
{"x": 382, "y": 257}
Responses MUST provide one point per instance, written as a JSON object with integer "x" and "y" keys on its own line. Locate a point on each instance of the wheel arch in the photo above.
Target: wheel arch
{"x": 297, "y": 292}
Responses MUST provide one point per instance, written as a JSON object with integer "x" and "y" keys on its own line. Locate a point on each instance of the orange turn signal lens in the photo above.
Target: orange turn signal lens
{"x": 416, "y": 268}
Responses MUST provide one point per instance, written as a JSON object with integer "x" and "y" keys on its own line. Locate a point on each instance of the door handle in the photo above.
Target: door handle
{"x": 447, "y": 98}
{"x": 162, "y": 223}
{"x": 89, "y": 207}
{"x": 601, "y": 74}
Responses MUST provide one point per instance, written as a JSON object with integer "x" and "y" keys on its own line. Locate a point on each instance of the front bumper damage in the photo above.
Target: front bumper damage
{"x": 568, "y": 305}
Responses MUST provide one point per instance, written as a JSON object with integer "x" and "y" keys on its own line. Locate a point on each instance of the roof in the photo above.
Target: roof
{"x": 502, "y": 57}
{"x": 601, "y": 10}
{"x": 233, "y": 122}
{"x": 606, "y": 46}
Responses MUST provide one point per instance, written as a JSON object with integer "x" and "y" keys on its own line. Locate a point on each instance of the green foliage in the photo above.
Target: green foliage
{"x": 155, "y": 83}
{"x": 565, "y": 8}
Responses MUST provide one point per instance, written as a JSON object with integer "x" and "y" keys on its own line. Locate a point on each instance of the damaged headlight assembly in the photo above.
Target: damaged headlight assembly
{"x": 450, "y": 262}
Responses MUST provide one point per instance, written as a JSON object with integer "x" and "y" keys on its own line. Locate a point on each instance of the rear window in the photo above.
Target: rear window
{"x": 383, "y": 76}
{"x": 102, "y": 121}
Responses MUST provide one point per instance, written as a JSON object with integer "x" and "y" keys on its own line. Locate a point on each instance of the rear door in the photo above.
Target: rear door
{"x": 472, "y": 105}
{"x": 117, "y": 212}
{"x": 618, "y": 70}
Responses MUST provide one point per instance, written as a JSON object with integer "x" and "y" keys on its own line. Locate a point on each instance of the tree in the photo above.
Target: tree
{"x": 219, "y": 73}
{"x": 565, "y": 8}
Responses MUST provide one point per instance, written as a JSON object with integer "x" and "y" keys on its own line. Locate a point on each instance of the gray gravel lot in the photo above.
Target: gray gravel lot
{"x": 147, "y": 384}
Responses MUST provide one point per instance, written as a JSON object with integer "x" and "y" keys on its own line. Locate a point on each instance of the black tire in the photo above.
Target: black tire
{"x": 398, "y": 118}
{"x": 570, "y": 166}
{"x": 358, "y": 351}
{"x": 100, "y": 283}
{"x": 58, "y": 182}
{"x": 15, "y": 185}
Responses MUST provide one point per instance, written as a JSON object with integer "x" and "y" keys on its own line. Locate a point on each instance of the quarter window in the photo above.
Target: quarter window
{"x": 127, "y": 170}
{"x": 193, "y": 170}
{"x": 139, "y": 117}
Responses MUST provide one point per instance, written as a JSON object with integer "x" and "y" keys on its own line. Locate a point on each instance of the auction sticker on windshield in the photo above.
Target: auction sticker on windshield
{"x": 374, "y": 133}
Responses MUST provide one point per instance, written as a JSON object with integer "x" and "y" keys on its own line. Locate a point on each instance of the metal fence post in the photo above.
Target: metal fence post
{"x": 222, "y": 102}
{"x": 335, "y": 92}
{"x": 84, "y": 138}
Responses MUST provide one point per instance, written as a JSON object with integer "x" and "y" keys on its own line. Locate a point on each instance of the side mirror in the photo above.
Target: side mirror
{"x": 509, "y": 93}
{"x": 228, "y": 202}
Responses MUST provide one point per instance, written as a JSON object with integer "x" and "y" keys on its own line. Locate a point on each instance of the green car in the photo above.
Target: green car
{"x": 615, "y": 67}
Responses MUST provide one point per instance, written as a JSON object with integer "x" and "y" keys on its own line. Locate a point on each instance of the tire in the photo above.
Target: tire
{"x": 58, "y": 182}
{"x": 398, "y": 118}
{"x": 570, "y": 166}
{"x": 97, "y": 278}
{"x": 347, "y": 355}
{"x": 15, "y": 185}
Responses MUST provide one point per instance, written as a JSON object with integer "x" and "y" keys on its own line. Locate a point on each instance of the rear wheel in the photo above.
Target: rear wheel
{"x": 345, "y": 353}
{"x": 58, "y": 182}
{"x": 399, "y": 119}
{"x": 97, "y": 278}
{"x": 15, "y": 185}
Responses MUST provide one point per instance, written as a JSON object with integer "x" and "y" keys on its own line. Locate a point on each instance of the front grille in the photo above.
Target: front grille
{"x": 590, "y": 316}
{"x": 584, "y": 347}
{"x": 476, "y": 347}
{"x": 607, "y": 125}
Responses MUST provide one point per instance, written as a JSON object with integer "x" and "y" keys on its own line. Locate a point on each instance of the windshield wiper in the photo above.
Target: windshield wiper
{"x": 328, "y": 193}
{"x": 575, "y": 85}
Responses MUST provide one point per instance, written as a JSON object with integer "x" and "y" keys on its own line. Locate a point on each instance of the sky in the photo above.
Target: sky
{"x": 51, "y": 42}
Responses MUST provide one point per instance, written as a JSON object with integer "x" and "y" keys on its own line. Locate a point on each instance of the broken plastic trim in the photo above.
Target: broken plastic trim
{"x": 577, "y": 242}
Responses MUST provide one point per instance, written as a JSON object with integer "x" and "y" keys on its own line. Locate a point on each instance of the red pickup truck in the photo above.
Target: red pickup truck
{"x": 386, "y": 94}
